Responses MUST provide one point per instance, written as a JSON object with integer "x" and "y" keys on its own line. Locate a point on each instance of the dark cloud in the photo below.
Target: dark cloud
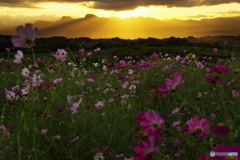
{"x": 118, "y": 5}
{"x": 17, "y": 3}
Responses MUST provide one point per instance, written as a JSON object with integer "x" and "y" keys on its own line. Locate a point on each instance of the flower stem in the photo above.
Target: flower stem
{"x": 34, "y": 58}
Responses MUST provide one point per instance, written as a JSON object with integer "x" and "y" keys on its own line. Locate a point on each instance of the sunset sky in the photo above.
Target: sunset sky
{"x": 160, "y": 9}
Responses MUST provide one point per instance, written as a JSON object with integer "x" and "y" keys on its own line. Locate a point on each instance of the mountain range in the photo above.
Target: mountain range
{"x": 131, "y": 28}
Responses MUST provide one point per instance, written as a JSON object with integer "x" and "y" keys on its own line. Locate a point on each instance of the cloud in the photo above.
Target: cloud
{"x": 199, "y": 16}
{"x": 17, "y": 3}
{"x": 232, "y": 12}
{"x": 118, "y": 5}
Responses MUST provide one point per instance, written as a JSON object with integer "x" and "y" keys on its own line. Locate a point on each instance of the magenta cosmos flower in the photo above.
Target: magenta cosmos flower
{"x": 221, "y": 129}
{"x": 26, "y": 36}
{"x": 152, "y": 123}
{"x": 213, "y": 80}
{"x": 220, "y": 69}
{"x": 224, "y": 148}
{"x": 198, "y": 127}
{"x": 214, "y": 50}
{"x": 170, "y": 84}
{"x": 206, "y": 156}
{"x": 146, "y": 149}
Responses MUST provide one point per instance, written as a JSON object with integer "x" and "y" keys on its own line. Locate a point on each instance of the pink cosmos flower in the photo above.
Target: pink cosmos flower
{"x": 36, "y": 80}
{"x": 18, "y": 57}
{"x": 5, "y": 131}
{"x": 61, "y": 54}
{"x": 213, "y": 80}
{"x": 90, "y": 80}
{"x": 81, "y": 50}
{"x": 104, "y": 68}
{"x": 140, "y": 116}
{"x": 55, "y": 81}
{"x": 105, "y": 148}
{"x": 146, "y": 149}
{"x": 75, "y": 106}
{"x": 15, "y": 88}
{"x": 198, "y": 64}
{"x": 214, "y": 50}
{"x": 235, "y": 93}
{"x": 120, "y": 64}
{"x": 93, "y": 76}
{"x": 44, "y": 131}
{"x": 199, "y": 127}
{"x": 75, "y": 139}
{"x": 89, "y": 53}
{"x": 135, "y": 82}
{"x": 174, "y": 124}
{"x": 111, "y": 100}
{"x": 8, "y": 49}
{"x": 225, "y": 43}
{"x": 97, "y": 49}
{"x": 154, "y": 55}
{"x": 170, "y": 84}
{"x": 69, "y": 99}
{"x": 10, "y": 95}
{"x": 25, "y": 72}
{"x": 224, "y": 148}
{"x": 220, "y": 69}
{"x": 26, "y": 36}
{"x": 99, "y": 156}
{"x": 99, "y": 104}
{"x": 24, "y": 91}
{"x": 152, "y": 123}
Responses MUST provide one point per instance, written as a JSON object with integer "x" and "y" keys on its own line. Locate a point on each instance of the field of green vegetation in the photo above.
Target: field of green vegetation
{"x": 123, "y": 103}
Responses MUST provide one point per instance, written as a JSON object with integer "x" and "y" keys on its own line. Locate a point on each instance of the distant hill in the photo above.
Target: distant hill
{"x": 131, "y": 28}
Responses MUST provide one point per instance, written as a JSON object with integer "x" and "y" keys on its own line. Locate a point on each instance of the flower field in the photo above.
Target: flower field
{"x": 70, "y": 107}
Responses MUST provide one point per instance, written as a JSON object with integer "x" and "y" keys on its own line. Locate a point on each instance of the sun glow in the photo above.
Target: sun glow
{"x": 140, "y": 11}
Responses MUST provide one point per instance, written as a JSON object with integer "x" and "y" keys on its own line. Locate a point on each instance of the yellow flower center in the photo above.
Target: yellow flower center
{"x": 220, "y": 124}
{"x": 231, "y": 157}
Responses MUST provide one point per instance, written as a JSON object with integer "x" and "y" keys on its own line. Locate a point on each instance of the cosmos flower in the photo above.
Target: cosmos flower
{"x": 198, "y": 127}
{"x": 99, "y": 104}
{"x": 214, "y": 50}
{"x": 152, "y": 123}
{"x": 220, "y": 69}
{"x": 224, "y": 148}
{"x": 225, "y": 43}
{"x": 75, "y": 106}
{"x": 61, "y": 54}
{"x": 213, "y": 80}
{"x": 146, "y": 149}
{"x": 5, "y": 131}
{"x": 18, "y": 57}
{"x": 221, "y": 129}
{"x": 25, "y": 72}
{"x": 170, "y": 84}
{"x": 10, "y": 95}
{"x": 44, "y": 131}
{"x": 235, "y": 93}
{"x": 75, "y": 139}
{"x": 26, "y": 36}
